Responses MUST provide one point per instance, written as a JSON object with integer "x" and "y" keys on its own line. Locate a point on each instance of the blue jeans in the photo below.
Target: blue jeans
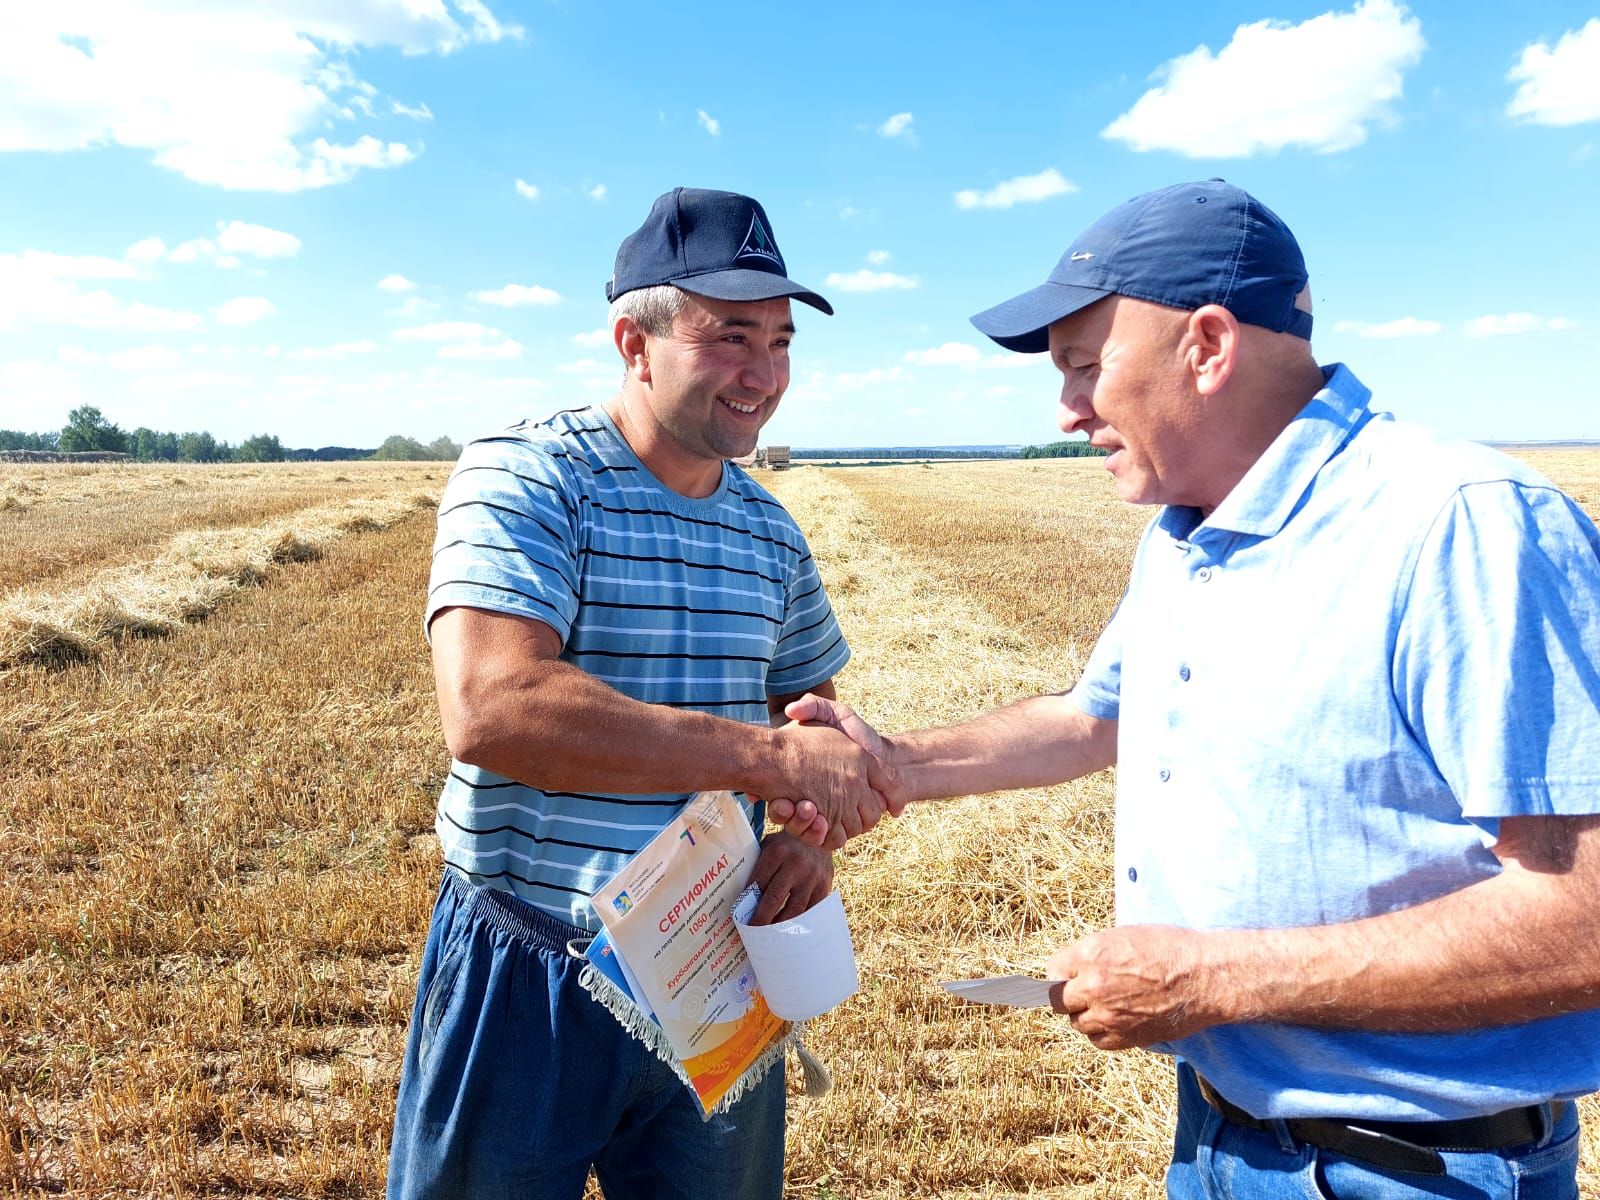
{"x": 1215, "y": 1159}
{"x": 516, "y": 1082}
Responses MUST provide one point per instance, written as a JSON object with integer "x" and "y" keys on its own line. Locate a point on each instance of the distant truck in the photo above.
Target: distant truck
{"x": 775, "y": 458}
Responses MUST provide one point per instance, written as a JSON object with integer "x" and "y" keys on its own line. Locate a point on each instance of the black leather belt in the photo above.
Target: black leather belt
{"x": 1409, "y": 1146}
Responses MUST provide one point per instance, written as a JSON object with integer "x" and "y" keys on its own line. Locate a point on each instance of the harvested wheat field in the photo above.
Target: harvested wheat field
{"x": 216, "y": 858}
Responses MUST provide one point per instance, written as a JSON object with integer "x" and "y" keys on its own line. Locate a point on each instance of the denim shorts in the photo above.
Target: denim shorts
{"x": 516, "y": 1082}
{"x": 1216, "y": 1159}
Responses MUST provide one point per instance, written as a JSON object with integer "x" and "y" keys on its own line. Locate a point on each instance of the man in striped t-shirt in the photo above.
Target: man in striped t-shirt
{"x": 618, "y": 617}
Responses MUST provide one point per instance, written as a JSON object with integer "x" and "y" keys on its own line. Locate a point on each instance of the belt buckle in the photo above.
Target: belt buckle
{"x": 1384, "y": 1150}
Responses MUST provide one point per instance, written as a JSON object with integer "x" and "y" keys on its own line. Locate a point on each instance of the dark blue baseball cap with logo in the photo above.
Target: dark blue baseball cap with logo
{"x": 1183, "y": 246}
{"x": 716, "y": 244}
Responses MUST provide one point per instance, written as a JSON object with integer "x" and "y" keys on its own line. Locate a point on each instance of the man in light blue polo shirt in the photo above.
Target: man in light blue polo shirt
{"x": 1353, "y": 695}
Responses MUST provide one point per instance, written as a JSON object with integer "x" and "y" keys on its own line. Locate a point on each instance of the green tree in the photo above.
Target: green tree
{"x": 15, "y": 439}
{"x": 261, "y": 448}
{"x": 401, "y": 449}
{"x": 442, "y": 449}
{"x": 88, "y": 429}
{"x": 197, "y": 447}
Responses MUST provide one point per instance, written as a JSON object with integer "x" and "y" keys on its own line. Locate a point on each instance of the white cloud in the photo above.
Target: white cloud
{"x": 190, "y": 381}
{"x": 969, "y": 357}
{"x": 150, "y": 249}
{"x": 850, "y": 380}
{"x": 597, "y": 192}
{"x": 951, "y": 354}
{"x": 365, "y": 151}
{"x": 237, "y": 237}
{"x": 1559, "y": 86}
{"x": 584, "y": 366}
{"x": 230, "y": 95}
{"x": 1401, "y": 327}
{"x": 709, "y": 123}
{"x": 870, "y": 281}
{"x": 420, "y": 113}
{"x": 145, "y": 358}
{"x": 46, "y": 289}
{"x": 396, "y": 283}
{"x": 527, "y": 190}
{"x": 901, "y": 125}
{"x": 337, "y": 350}
{"x": 446, "y": 331}
{"x": 877, "y": 257}
{"x": 517, "y": 295}
{"x": 595, "y": 337}
{"x": 233, "y": 239}
{"x": 414, "y": 308}
{"x": 503, "y": 349}
{"x": 244, "y": 310}
{"x": 1317, "y": 85}
{"x": 1516, "y": 322}
{"x": 1024, "y": 189}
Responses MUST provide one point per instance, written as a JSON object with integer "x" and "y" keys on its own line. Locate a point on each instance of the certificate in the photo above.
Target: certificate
{"x": 669, "y": 913}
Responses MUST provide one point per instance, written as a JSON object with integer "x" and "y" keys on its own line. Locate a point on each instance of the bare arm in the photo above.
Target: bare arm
{"x": 1032, "y": 743}
{"x": 510, "y": 705}
{"x": 1512, "y": 948}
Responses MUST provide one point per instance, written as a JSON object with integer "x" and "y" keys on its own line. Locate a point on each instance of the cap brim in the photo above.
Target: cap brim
{"x": 1023, "y": 322}
{"x": 744, "y": 284}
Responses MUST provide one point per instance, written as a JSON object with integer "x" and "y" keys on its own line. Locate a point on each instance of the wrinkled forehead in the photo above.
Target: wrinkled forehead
{"x": 738, "y": 314}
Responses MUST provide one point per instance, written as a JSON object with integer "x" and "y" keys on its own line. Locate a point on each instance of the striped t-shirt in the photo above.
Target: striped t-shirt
{"x": 711, "y": 604}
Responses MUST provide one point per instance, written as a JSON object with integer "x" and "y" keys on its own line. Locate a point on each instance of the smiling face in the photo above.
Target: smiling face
{"x": 1125, "y": 385}
{"x": 713, "y": 382}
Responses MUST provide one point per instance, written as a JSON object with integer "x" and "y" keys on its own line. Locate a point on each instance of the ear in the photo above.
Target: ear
{"x": 1211, "y": 348}
{"x": 633, "y": 346}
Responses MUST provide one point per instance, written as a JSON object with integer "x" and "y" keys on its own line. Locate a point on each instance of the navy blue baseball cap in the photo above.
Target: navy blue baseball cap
{"x": 716, "y": 244}
{"x": 1183, "y": 246}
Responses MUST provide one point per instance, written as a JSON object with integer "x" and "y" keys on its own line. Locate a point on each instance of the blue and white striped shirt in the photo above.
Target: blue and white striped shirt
{"x": 710, "y": 604}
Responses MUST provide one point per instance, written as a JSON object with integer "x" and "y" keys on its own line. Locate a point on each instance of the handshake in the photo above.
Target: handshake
{"x": 831, "y": 778}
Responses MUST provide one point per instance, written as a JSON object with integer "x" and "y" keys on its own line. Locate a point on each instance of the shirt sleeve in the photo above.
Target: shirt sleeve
{"x": 1497, "y": 659}
{"x": 811, "y": 648}
{"x": 508, "y": 537}
{"x": 1098, "y": 691}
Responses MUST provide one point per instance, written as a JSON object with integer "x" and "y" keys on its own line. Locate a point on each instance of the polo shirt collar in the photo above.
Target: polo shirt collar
{"x": 1261, "y": 503}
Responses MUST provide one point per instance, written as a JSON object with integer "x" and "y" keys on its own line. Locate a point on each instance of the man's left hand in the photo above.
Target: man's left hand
{"x": 1133, "y": 985}
{"x": 793, "y": 876}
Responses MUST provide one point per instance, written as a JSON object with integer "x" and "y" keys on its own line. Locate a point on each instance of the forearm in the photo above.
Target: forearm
{"x": 1033, "y": 743}
{"x": 1512, "y": 948}
{"x": 552, "y": 726}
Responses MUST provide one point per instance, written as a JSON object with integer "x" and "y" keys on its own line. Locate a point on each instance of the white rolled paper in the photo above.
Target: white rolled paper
{"x": 805, "y": 965}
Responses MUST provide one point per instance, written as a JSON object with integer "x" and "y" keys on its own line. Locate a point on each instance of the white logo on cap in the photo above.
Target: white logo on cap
{"x": 758, "y": 243}
{"x": 1081, "y": 255}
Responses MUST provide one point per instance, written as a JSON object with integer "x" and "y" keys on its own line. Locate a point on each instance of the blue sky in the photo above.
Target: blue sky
{"x": 335, "y": 220}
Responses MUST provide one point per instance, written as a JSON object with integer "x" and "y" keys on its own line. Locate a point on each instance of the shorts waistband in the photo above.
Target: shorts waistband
{"x": 512, "y": 915}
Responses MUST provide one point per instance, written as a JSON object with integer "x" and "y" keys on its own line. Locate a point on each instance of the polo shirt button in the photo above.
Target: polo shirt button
{"x": 1183, "y": 673}
{"x": 1133, "y": 874}
{"x": 1165, "y": 774}
{"x": 1203, "y": 574}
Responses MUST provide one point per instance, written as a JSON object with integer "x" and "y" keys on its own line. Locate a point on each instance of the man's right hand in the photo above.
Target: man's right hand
{"x": 841, "y": 783}
{"x": 805, "y": 819}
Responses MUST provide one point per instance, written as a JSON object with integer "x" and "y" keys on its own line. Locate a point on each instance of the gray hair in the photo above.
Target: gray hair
{"x": 654, "y": 309}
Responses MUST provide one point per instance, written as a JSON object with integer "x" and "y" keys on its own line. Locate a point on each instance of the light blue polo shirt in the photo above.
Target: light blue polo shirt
{"x": 1328, "y": 693}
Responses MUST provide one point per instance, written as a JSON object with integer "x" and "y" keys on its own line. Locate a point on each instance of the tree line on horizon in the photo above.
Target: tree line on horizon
{"x": 87, "y": 429}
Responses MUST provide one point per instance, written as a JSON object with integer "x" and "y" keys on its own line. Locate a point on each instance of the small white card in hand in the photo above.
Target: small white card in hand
{"x": 1018, "y": 991}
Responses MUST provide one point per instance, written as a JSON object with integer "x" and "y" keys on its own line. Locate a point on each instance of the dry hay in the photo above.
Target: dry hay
{"x": 934, "y": 1097}
{"x": 216, "y": 868}
{"x": 185, "y": 583}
